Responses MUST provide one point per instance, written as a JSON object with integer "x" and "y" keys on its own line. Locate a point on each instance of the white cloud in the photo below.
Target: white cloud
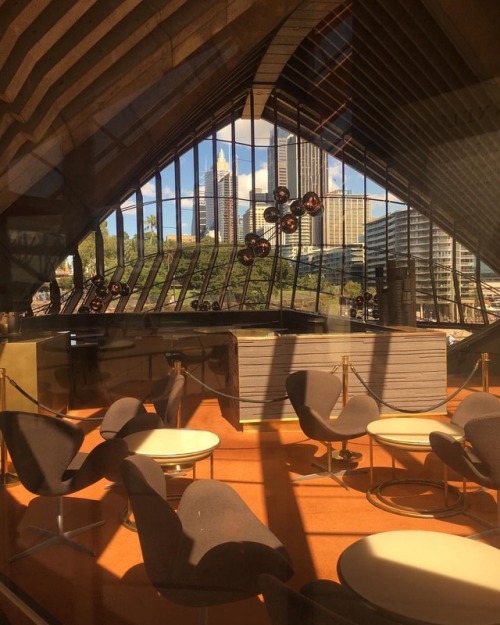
{"x": 334, "y": 175}
{"x": 243, "y": 132}
{"x": 149, "y": 189}
{"x": 245, "y": 182}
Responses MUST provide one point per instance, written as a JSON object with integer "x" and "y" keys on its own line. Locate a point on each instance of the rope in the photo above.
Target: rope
{"x": 450, "y": 397}
{"x": 259, "y": 401}
{"x": 43, "y": 407}
{"x": 242, "y": 399}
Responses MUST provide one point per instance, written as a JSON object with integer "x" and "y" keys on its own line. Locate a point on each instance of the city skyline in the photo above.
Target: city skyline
{"x": 349, "y": 180}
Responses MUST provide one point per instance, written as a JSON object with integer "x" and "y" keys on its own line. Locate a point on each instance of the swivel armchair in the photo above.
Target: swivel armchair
{"x": 128, "y": 415}
{"x": 125, "y": 416}
{"x": 475, "y": 405}
{"x": 479, "y": 462}
{"x": 313, "y": 395}
{"x": 211, "y": 551}
{"x": 45, "y": 453}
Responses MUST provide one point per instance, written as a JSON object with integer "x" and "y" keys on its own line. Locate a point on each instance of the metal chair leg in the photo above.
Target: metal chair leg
{"x": 203, "y": 615}
{"x": 328, "y": 472}
{"x": 59, "y": 536}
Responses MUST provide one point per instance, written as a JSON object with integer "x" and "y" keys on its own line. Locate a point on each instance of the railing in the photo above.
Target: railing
{"x": 299, "y": 288}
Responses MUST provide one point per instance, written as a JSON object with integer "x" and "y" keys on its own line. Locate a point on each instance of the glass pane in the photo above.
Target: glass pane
{"x": 186, "y": 164}
{"x": 225, "y": 173}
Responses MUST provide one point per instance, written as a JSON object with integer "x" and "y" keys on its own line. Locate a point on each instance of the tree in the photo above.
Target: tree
{"x": 150, "y": 222}
{"x": 352, "y": 289}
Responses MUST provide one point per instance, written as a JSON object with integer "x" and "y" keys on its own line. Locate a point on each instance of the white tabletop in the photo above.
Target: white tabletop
{"x": 411, "y": 432}
{"x": 431, "y": 577}
{"x": 173, "y": 444}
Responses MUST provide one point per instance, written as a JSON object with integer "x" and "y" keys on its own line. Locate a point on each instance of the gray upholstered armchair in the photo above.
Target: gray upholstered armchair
{"x": 211, "y": 551}
{"x": 313, "y": 395}
{"x": 46, "y": 455}
{"x": 479, "y": 462}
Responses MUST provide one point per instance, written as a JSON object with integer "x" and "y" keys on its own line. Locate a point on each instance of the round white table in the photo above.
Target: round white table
{"x": 426, "y": 577}
{"x": 174, "y": 450}
{"x": 411, "y": 434}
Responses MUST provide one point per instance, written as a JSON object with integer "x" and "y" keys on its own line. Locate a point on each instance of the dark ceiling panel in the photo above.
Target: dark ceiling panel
{"x": 94, "y": 97}
{"x": 390, "y": 82}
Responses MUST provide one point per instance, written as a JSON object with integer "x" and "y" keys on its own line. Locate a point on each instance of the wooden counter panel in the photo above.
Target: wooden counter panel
{"x": 406, "y": 370}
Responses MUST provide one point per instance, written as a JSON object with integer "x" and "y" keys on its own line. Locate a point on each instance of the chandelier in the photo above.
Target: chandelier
{"x": 113, "y": 289}
{"x": 286, "y": 215}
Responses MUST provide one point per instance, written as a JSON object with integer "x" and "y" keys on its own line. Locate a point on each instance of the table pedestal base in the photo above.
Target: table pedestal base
{"x": 376, "y": 497}
{"x": 345, "y": 455}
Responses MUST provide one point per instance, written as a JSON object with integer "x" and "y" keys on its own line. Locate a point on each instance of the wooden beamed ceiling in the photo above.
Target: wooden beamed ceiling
{"x": 94, "y": 95}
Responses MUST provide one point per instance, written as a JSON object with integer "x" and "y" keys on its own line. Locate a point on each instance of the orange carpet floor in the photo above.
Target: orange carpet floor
{"x": 316, "y": 520}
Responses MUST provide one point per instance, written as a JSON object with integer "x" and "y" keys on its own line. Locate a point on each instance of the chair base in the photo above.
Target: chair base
{"x": 328, "y": 470}
{"x": 345, "y": 455}
{"x": 324, "y": 472}
{"x": 58, "y": 537}
{"x": 492, "y": 528}
{"x": 490, "y": 532}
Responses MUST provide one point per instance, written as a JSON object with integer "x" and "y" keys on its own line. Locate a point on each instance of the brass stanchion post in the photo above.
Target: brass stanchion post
{"x": 344, "y": 454}
{"x": 177, "y": 369}
{"x": 6, "y": 478}
{"x": 485, "y": 359}
{"x": 345, "y": 379}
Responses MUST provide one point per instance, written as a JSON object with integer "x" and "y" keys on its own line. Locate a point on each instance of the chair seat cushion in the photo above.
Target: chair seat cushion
{"x": 224, "y": 543}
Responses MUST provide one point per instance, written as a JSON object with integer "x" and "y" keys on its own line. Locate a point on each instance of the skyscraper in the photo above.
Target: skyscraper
{"x": 219, "y": 196}
{"x": 299, "y": 168}
{"x": 402, "y": 234}
{"x": 277, "y": 168}
{"x": 202, "y": 215}
{"x": 344, "y": 218}
{"x": 261, "y": 227}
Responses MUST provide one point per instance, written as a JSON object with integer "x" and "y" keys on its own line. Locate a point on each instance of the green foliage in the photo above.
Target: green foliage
{"x": 217, "y": 262}
{"x": 352, "y": 289}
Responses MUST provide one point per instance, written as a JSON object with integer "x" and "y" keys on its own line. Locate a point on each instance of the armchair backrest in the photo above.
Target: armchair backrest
{"x": 483, "y": 434}
{"x": 167, "y": 406}
{"x": 315, "y": 389}
{"x": 126, "y": 416}
{"x": 313, "y": 395}
{"x": 41, "y": 448}
{"x": 361, "y": 409}
{"x": 158, "y": 526}
{"x": 475, "y": 405}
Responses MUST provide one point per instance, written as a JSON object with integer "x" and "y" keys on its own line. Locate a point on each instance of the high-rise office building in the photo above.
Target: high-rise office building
{"x": 404, "y": 234}
{"x": 257, "y": 223}
{"x": 227, "y": 212}
{"x": 300, "y": 169}
{"x": 202, "y": 212}
{"x": 307, "y": 170}
{"x": 339, "y": 265}
{"x": 277, "y": 161}
{"x": 313, "y": 170}
{"x": 219, "y": 195}
{"x": 344, "y": 218}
